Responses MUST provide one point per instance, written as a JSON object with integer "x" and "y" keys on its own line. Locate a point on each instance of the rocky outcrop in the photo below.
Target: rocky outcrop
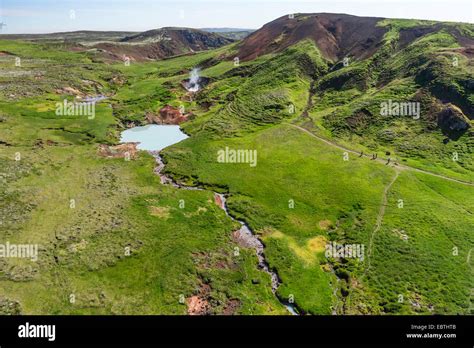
{"x": 9, "y": 307}
{"x": 167, "y": 115}
{"x": 452, "y": 121}
{"x": 199, "y": 304}
{"x": 70, "y": 91}
{"x": 127, "y": 151}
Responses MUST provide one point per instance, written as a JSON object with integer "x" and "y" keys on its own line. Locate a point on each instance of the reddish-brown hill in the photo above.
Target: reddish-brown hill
{"x": 336, "y": 35}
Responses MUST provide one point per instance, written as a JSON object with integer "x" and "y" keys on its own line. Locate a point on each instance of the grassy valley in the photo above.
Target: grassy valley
{"x": 115, "y": 240}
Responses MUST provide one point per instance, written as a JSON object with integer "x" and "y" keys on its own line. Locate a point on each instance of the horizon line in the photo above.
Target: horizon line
{"x": 218, "y": 27}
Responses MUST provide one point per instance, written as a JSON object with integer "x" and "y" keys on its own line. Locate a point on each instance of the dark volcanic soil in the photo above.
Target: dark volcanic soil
{"x": 336, "y": 35}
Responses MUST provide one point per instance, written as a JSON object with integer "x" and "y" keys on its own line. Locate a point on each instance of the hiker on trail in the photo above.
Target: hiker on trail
{"x": 361, "y": 153}
{"x": 388, "y": 161}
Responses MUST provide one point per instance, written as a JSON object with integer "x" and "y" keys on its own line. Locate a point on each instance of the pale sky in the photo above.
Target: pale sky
{"x": 45, "y": 16}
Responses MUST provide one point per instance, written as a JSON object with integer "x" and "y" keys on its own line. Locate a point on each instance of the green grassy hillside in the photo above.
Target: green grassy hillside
{"x": 115, "y": 240}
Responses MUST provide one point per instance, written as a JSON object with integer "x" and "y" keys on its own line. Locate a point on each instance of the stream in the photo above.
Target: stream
{"x": 154, "y": 138}
{"x": 245, "y": 236}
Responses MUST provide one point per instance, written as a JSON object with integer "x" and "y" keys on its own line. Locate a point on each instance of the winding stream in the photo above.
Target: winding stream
{"x": 244, "y": 235}
{"x": 154, "y": 138}
{"x": 250, "y": 240}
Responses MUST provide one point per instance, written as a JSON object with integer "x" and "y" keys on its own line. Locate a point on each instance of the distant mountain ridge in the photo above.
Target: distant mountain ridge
{"x": 80, "y": 35}
{"x": 225, "y": 30}
{"x": 194, "y": 37}
{"x": 162, "y": 43}
{"x": 140, "y": 46}
{"x": 231, "y": 33}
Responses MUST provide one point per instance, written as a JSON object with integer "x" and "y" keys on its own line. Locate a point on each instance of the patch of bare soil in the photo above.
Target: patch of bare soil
{"x": 325, "y": 224}
{"x": 408, "y": 35}
{"x": 41, "y": 144}
{"x": 70, "y": 91}
{"x": 161, "y": 212}
{"x": 127, "y": 150}
{"x": 231, "y": 307}
{"x": 167, "y": 115}
{"x": 218, "y": 200}
{"x": 199, "y": 304}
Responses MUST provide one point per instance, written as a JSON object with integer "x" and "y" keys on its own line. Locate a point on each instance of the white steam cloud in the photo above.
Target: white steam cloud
{"x": 193, "y": 84}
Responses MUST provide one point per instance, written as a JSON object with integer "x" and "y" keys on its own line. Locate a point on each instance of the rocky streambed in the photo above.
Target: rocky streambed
{"x": 244, "y": 236}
